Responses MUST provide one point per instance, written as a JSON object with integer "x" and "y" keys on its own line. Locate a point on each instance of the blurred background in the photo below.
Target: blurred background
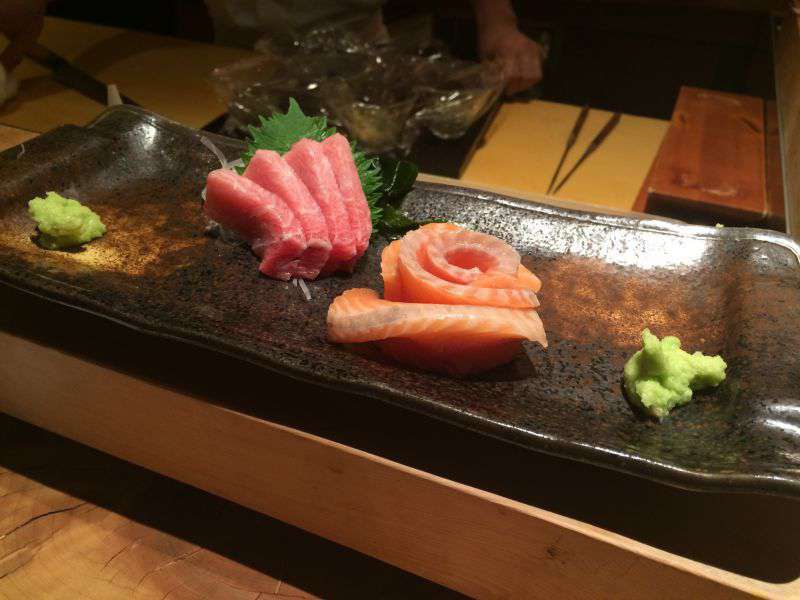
{"x": 621, "y": 56}
{"x": 678, "y": 99}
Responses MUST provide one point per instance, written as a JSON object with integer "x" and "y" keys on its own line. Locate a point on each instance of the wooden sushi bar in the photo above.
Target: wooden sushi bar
{"x": 141, "y": 466}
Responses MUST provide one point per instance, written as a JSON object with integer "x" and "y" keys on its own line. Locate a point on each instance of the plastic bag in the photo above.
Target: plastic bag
{"x": 381, "y": 90}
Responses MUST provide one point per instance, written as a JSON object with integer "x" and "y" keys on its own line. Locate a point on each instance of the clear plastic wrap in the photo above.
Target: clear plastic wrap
{"x": 381, "y": 90}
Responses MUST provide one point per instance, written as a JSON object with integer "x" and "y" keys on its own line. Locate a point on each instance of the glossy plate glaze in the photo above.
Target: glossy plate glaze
{"x": 729, "y": 291}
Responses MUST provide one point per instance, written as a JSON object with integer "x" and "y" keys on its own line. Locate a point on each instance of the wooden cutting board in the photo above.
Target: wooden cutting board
{"x": 711, "y": 164}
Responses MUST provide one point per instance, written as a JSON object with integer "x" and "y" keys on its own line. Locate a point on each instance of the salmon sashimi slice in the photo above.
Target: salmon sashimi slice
{"x": 528, "y": 279}
{"x": 392, "y": 286}
{"x": 523, "y": 279}
{"x": 463, "y": 256}
{"x": 448, "y": 338}
{"x": 259, "y": 216}
{"x": 308, "y": 160}
{"x": 274, "y": 174}
{"x": 457, "y": 356}
{"x": 359, "y": 315}
{"x": 442, "y": 263}
{"x": 338, "y": 151}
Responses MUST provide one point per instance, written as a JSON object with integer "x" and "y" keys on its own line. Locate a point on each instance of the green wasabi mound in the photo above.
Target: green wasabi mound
{"x": 64, "y": 223}
{"x": 661, "y": 376}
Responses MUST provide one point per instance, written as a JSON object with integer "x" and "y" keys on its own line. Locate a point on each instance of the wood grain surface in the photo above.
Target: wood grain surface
{"x": 76, "y": 524}
{"x": 167, "y": 75}
{"x": 13, "y": 136}
{"x": 787, "y": 76}
{"x": 711, "y": 161}
{"x": 526, "y": 139}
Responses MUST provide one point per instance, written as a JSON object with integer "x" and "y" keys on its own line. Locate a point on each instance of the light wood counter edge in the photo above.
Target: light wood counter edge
{"x": 467, "y": 539}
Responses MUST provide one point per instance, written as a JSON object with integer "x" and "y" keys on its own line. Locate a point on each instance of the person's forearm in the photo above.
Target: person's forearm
{"x": 501, "y": 41}
{"x": 489, "y": 13}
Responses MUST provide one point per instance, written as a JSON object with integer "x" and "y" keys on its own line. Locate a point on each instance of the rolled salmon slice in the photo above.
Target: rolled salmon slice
{"x": 392, "y": 286}
{"x": 442, "y": 263}
{"x": 528, "y": 279}
{"x": 452, "y": 339}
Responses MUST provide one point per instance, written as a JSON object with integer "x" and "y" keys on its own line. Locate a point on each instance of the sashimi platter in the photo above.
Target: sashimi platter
{"x": 455, "y": 301}
{"x": 649, "y": 346}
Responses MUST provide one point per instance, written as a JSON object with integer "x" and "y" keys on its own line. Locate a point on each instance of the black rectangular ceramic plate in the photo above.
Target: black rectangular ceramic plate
{"x": 729, "y": 291}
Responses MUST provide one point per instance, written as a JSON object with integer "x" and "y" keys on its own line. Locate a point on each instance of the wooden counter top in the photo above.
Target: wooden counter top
{"x": 526, "y": 140}
{"x": 12, "y": 136}
{"x": 166, "y": 75}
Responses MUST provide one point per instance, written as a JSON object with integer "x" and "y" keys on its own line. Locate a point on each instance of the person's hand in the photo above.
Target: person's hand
{"x": 21, "y": 22}
{"x": 520, "y": 56}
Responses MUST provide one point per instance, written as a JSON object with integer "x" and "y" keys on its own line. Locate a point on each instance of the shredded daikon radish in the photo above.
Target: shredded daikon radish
{"x": 306, "y": 291}
{"x": 217, "y": 152}
{"x": 114, "y": 99}
{"x": 220, "y": 156}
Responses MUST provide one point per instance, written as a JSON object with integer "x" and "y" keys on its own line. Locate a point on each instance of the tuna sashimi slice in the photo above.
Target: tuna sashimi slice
{"x": 308, "y": 160}
{"x": 259, "y": 216}
{"x": 448, "y": 338}
{"x": 442, "y": 263}
{"x": 274, "y": 174}
{"x": 338, "y": 151}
